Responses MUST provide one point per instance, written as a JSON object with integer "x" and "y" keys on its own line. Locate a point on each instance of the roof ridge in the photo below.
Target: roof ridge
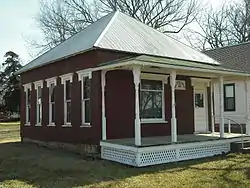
{"x": 106, "y": 28}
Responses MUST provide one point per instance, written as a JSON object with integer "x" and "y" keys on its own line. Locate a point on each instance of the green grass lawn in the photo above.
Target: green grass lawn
{"x": 28, "y": 165}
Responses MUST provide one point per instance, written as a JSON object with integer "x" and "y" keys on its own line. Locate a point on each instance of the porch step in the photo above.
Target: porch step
{"x": 246, "y": 150}
{"x": 236, "y": 146}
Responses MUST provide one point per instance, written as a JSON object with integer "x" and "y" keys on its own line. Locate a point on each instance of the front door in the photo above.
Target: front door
{"x": 200, "y": 112}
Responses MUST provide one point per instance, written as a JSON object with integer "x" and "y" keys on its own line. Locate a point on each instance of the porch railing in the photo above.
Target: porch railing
{"x": 236, "y": 123}
{"x": 241, "y": 129}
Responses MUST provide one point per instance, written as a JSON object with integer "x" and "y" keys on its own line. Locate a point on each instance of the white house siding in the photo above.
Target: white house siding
{"x": 239, "y": 115}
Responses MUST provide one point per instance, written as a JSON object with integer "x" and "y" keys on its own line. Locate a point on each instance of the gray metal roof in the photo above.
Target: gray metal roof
{"x": 117, "y": 31}
{"x": 233, "y": 57}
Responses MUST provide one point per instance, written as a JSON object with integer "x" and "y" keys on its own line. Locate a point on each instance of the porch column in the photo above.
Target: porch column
{"x": 137, "y": 74}
{"x": 247, "y": 107}
{"x": 221, "y": 107}
{"x": 104, "y": 127}
{"x": 173, "y": 119}
{"x": 212, "y": 104}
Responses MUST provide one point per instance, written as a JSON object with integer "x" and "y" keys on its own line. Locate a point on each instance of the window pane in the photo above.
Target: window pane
{"x": 68, "y": 89}
{"x": 87, "y": 111}
{"x": 29, "y": 96}
{"x": 53, "y": 112}
{"x": 199, "y": 100}
{"x": 68, "y": 112}
{"x": 151, "y": 104}
{"x": 229, "y": 91}
{"x": 39, "y": 92}
{"x": 229, "y": 104}
{"x": 151, "y": 84}
{"x": 39, "y": 113}
{"x": 29, "y": 113}
{"x": 86, "y": 88}
{"x": 52, "y": 92}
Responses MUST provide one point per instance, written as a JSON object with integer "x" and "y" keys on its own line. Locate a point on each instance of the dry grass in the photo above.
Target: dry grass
{"x": 9, "y": 132}
{"x": 28, "y": 165}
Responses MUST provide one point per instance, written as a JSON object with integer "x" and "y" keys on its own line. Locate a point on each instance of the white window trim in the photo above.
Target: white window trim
{"x": 65, "y": 78}
{"x": 164, "y": 80}
{"x": 26, "y": 88}
{"x": 50, "y": 81}
{"x": 36, "y": 85}
{"x": 81, "y": 75}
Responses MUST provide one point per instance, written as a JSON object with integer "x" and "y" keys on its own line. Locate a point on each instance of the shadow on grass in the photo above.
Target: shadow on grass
{"x": 234, "y": 165}
{"x": 43, "y": 167}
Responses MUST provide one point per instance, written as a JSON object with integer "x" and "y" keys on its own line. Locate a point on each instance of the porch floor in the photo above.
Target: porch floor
{"x": 165, "y": 140}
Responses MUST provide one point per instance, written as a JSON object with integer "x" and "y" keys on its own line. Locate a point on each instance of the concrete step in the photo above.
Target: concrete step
{"x": 246, "y": 150}
{"x": 236, "y": 146}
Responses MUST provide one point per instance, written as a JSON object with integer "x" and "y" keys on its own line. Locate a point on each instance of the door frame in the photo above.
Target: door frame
{"x": 201, "y": 84}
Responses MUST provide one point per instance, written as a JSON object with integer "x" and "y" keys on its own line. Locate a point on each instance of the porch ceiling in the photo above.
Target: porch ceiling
{"x": 165, "y": 65}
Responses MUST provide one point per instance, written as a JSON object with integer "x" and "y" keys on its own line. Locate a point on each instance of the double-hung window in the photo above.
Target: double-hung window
{"x": 51, "y": 84}
{"x": 67, "y": 84}
{"x": 27, "y": 90}
{"x": 85, "y": 78}
{"x": 38, "y": 88}
{"x": 152, "y": 100}
{"x": 229, "y": 97}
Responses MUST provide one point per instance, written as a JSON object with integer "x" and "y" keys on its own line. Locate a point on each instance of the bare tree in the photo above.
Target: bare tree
{"x": 60, "y": 19}
{"x": 227, "y": 26}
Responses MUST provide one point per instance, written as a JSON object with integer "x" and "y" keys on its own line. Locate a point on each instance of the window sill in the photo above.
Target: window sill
{"x": 67, "y": 125}
{"x": 51, "y": 125}
{"x": 153, "y": 122}
{"x": 27, "y": 124}
{"x": 85, "y": 125}
{"x": 38, "y": 125}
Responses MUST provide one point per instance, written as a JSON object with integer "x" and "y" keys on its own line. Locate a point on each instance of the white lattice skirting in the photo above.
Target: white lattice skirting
{"x": 145, "y": 156}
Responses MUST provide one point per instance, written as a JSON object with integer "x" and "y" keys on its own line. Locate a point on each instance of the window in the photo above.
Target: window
{"x": 51, "y": 84}
{"x": 86, "y": 101}
{"x": 39, "y": 105}
{"x": 199, "y": 100}
{"x": 151, "y": 100}
{"x": 27, "y": 90}
{"x": 229, "y": 97}
{"x": 52, "y": 103}
{"x": 85, "y": 78}
{"x": 38, "y": 87}
{"x": 67, "y": 82}
{"x": 68, "y": 88}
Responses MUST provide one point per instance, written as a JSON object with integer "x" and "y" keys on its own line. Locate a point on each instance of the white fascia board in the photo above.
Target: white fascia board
{"x": 144, "y": 63}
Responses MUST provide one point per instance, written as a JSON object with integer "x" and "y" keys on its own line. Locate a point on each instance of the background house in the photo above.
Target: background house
{"x": 236, "y": 92}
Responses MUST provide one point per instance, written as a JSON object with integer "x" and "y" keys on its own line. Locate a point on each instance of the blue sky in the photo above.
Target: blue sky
{"x": 18, "y": 25}
{"x": 17, "y": 18}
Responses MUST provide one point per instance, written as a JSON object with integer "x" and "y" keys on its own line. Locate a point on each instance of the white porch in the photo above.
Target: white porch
{"x": 159, "y": 150}
{"x": 140, "y": 151}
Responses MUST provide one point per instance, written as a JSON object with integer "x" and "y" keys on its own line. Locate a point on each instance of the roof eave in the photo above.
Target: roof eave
{"x": 135, "y": 61}
{"x": 50, "y": 62}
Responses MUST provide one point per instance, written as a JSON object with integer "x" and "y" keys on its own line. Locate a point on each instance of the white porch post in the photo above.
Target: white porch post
{"x": 221, "y": 107}
{"x": 247, "y": 107}
{"x": 212, "y": 104}
{"x": 173, "y": 119}
{"x": 137, "y": 75}
{"x": 104, "y": 126}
